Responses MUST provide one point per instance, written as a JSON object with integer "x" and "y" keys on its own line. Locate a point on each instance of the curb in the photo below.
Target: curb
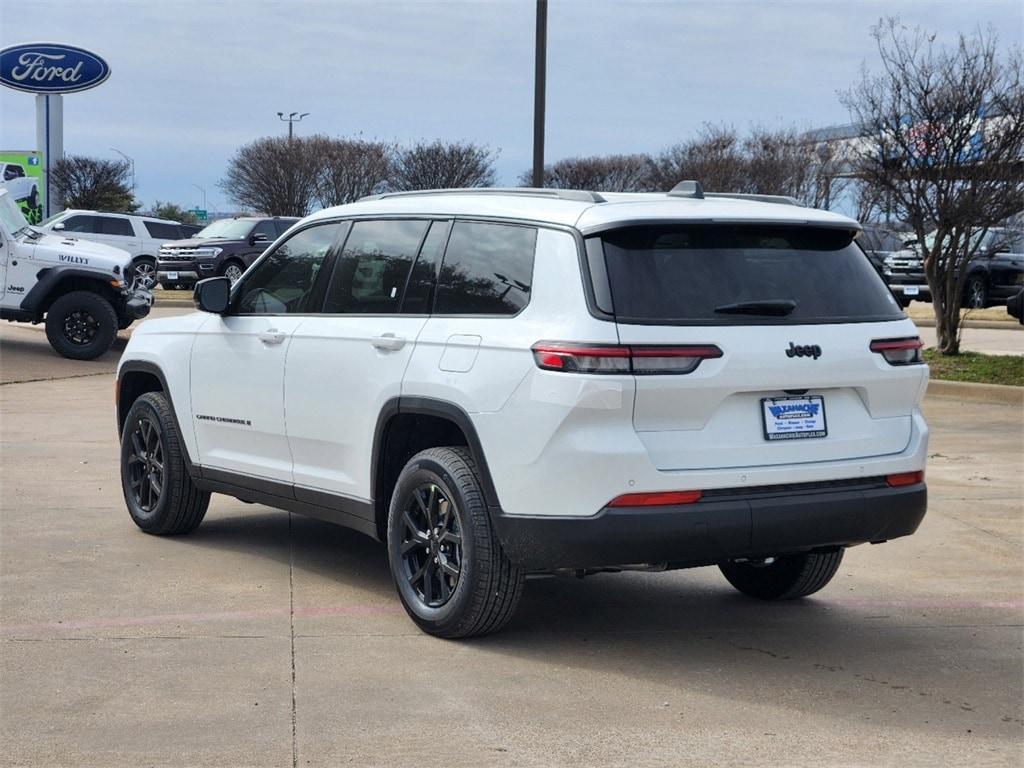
{"x": 999, "y": 325}
{"x": 984, "y": 393}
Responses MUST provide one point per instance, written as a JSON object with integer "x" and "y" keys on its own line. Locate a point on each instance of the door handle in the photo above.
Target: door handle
{"x": 272, "y": 336}
{"x": 388, "y": 341}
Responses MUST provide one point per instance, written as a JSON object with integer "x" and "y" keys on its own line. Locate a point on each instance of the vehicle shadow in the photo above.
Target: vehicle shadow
{"x": 687, "y": 633}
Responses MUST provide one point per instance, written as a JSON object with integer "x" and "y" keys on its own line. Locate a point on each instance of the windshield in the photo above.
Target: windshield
{"x": 228, "y": 229}
{"x": 742, "y": 275}
{"x": 11, "y": 217}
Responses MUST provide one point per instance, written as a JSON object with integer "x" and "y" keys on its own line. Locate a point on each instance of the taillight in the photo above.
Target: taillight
{"x": 656, "y": 499}
{"x": 905, "y": 478}
{"x": 906, "y": 351}
{"x": 642, "y": 360}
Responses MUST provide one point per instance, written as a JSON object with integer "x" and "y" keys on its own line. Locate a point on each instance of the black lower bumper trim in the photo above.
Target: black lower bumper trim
{"x": 710, "y": 532}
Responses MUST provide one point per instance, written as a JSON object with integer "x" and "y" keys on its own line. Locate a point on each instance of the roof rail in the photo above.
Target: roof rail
{"x": 578, "y": 195}
{"x": 778, "y": 199}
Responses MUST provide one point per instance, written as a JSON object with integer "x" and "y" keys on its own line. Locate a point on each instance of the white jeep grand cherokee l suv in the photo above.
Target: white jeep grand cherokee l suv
{"x": 504, "y": 382}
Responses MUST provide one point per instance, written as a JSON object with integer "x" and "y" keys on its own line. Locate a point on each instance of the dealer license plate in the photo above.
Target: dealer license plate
{"x": 792, "y": 418}
{"x": 172, "y": 275}
{"x": 911, "y": 290}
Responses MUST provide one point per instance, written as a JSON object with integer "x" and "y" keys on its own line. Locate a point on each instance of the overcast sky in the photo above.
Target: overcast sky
{"x": 193, "y": 80}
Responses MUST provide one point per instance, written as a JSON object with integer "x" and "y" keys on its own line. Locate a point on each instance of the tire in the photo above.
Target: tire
{"x": 143, "y": 273}
{"x": 233, "y": 270}
{"x": 975, "y": 293}
{"x": 789, "y": 577}
{"x": 482, "y": 596}
{"x": 81, "y": 325}
{"x": 150, "y": 431}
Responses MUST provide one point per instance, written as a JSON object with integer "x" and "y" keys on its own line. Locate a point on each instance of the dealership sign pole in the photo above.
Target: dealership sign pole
{"x": 50, "y": 70}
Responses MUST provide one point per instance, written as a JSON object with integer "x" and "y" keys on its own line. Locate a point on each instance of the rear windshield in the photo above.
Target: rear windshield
{"x": 742, "y": 275}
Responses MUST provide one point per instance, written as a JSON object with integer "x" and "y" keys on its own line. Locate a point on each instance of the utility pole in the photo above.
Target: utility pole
{"x": 291, "y": 120}
{"x": 130, "y": 162}
{"x": 539, "y": 91}
{"x": 203, "y": 190}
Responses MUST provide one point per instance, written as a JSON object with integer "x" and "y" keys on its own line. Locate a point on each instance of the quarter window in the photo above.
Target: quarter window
{"x": 283, "y": 282}
{"x": 162, "y": 231}
{"x": 373, "y": 268}
{"x": 487, "y": 270}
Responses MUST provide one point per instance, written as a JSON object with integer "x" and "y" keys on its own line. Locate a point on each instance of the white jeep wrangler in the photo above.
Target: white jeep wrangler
{"x": 503, "y": 382}
{"x": 77, "y": 288}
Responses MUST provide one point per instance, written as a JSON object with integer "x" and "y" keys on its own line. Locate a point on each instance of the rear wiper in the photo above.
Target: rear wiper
{"x": 775, "y": 307}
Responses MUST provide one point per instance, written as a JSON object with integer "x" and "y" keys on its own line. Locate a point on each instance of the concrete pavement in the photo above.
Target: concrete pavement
{"x": 265, "y": 640}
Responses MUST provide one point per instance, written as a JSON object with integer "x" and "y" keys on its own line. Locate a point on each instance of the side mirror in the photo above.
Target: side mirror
{"x": 58, "y": 226}
{"x": 1015, "y": 306}
{"x": 213, "y": 295}
{"x": 258, "y": 237}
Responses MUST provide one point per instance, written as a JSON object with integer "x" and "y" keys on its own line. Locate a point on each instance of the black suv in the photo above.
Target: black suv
{"x": 225, "y": 247}
{"x": 994, "y": 274}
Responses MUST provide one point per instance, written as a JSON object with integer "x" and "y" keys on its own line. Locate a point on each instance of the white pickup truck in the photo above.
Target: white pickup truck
{"x": 20, "y": 186}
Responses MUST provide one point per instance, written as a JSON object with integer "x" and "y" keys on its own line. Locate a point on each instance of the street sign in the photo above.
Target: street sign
{"x": 199, "y": 213}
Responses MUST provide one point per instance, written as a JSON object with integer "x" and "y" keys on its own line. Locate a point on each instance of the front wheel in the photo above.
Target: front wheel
{"x": 452, "y": 576}
{"x": 81, "y": 325}
{"x": 233, "y": 271}
{"x": 784, "y": 578}
{"x": 157, "y": 488}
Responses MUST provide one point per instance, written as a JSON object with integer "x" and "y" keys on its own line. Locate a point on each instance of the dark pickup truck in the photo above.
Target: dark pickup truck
{"x": 994, "y": 274}
{"x": 225, "y": 247}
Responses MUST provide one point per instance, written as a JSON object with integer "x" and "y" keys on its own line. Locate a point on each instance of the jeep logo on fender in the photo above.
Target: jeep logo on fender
{"x": 51, "y": 68}
{"x": 809, "y": 350}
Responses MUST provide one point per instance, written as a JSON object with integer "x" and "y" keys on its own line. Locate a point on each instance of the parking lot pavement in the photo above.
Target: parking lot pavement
{"x": 266, "y": 640}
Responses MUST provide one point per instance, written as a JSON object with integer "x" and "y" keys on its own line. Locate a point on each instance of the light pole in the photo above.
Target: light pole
{"x": 203, "y": 190}
{"x": 291, "y": 120}
{"x": 130, "y": 162}
{"x": 539, "y": 91}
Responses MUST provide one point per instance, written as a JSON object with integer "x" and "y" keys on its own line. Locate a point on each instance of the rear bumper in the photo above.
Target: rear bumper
{"x": 717, "y": 528}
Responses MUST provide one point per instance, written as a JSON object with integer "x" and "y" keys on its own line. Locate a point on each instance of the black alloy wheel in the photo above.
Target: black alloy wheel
{"x": 80, "y": 327}
{"x": 431, "y": 547}
{"x": 146, "y": 464}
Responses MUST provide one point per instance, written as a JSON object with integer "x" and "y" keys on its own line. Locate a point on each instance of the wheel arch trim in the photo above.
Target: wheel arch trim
{"x": 144, "y": 366}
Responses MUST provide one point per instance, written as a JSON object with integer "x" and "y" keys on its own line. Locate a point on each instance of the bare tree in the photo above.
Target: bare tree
{"x": 608, "y": 173}
{"x": 437, "y": 165}
{"x": 351, "y": 169}
{"x": 945, "y": 143}
{"x": 275, "y": 175}
{"x": 715, "y": 158}
{"x": 94, "y": 184}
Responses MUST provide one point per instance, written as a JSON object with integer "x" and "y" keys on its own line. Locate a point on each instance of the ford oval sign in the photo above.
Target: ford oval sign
{"x": 51, "y": 68}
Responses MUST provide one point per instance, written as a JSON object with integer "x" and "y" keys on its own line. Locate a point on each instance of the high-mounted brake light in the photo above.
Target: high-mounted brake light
{"x": 906, "y": 351}
{"x": 905, "y": 478}
{"x": 657, "y": 499}
{"x": 643, "y": 359}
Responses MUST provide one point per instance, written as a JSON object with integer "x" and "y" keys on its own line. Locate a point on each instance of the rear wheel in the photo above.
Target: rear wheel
{"x": 784, "y": 578}
{"x": 976, "y": 293}
{"x": 157, "y": 488}
{"x": 450, "y": 571}
{"x": 143, "y": 274}
{"x": 81, "y": 325}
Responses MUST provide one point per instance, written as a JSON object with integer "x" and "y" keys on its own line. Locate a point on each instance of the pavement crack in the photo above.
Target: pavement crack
{"x": 291, "y": 625}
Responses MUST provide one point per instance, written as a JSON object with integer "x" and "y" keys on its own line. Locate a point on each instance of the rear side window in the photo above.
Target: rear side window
{"x": 161, "y": 231}
{"x": 283, "y": 225}
{"x": 371, "y": 273}
{"x": 742, "y": 275}
{"x": 116, "y": 225}
{"x": 487, "y": 269}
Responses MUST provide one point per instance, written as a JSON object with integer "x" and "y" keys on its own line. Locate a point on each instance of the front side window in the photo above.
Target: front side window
{"x": 266, "y": 228}
{"x": 116, "y": 225}
{"x": 487, "y": 269}
{"x": 84, "y": 224}
{"x": 741, "y": 275}
{"x": 373, "y": 268}
{"x": 283, "y": 282}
